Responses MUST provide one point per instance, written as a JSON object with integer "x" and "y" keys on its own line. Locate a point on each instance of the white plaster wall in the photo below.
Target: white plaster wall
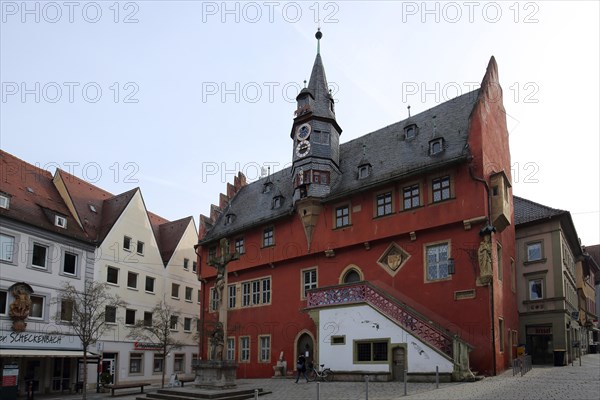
{"x": 45, "y": 282}
{"x": 363, "y": 322}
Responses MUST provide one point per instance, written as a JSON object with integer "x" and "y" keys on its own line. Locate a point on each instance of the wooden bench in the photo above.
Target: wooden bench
{"x": 126, "y": 385}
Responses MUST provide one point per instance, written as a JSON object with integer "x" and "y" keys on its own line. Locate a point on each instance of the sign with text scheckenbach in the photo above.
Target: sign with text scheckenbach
{"x": 38, "y": 340}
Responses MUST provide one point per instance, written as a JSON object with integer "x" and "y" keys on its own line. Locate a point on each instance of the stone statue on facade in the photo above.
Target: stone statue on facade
{"x": 20, "y": 307}
{"x": 485, "y": 260}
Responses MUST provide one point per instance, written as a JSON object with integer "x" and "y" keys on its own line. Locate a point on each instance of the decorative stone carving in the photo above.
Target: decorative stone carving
{"x": 21, "y": 306}
{"x": 485, "y": 260}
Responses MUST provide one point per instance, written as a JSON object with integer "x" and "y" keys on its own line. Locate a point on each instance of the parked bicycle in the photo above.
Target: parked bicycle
{"x": 322, "y": 374}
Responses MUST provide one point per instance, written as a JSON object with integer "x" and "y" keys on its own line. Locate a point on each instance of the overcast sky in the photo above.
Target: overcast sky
{"x": 176, "y": 97}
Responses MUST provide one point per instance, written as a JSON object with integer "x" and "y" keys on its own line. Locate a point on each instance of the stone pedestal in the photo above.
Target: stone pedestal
{"x": 279, "y": 370}
{"x": 215, "y": 374}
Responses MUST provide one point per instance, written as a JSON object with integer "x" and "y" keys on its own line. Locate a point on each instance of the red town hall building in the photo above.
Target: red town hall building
{"x": 392, "y": 251}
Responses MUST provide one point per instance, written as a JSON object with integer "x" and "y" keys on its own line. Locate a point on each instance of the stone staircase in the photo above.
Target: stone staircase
{"x": 195, "y": 394}
{"x": 436, "y": 336}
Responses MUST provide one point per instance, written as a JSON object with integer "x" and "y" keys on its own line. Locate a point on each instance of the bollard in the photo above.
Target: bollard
{"x": 318, "y": 390}
{"x": 580, "y": 356}
{"x": 255, "y": 394}
{"x": 437, "y": 377}
{"x": 405, "y": 379}
{"x": 366, "y": 387}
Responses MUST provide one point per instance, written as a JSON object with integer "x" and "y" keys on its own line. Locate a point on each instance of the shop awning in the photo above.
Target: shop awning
{"x": 44, "y": 353}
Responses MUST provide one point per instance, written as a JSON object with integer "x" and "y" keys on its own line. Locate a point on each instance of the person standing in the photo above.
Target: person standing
{"x": 301, "y": 368}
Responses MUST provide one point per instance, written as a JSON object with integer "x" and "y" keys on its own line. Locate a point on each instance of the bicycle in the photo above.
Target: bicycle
{"x": 323, "y": 374}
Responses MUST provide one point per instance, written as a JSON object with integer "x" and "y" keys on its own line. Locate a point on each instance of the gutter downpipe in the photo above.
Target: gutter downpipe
{"x": 487, "y": 230}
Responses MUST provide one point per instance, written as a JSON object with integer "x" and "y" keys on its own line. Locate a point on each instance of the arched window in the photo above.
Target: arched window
{"x": 351, "y": 275}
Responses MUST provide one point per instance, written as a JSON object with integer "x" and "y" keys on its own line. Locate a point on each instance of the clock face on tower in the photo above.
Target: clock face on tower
{"x": 302, "y": 148}
{"x": 303, "y": 132}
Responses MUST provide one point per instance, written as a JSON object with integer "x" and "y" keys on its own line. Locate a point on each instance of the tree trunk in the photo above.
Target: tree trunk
{"x": 85, "y": 374}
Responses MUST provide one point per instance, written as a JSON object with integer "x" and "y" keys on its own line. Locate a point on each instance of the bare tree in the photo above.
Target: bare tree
{"x": 159, "y": 331}
{"x": 86, "y": 314}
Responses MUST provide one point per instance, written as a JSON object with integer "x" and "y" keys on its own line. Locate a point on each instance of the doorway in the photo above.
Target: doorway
{"x": 398, "y": 363}
{"x": 305, "y": 347}
{"x": 109, "y": 364}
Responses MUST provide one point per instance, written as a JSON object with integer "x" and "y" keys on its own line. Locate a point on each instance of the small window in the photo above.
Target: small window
{"x": 214, "y": 299}
{"x": 66, "y": 310}
{"x": 534, "y": 251}
{"x": 410, "y": 131}
{"x": 231, "y": 296}
{"x": 411, "y": 196}
{"x": 245, "y": 294}
{"x": 268, "y": 239}
{"x": 173, "y": 322}
{"x": 244, "y": 349}
{"x": 320, "y": 177}
{"x": 371, "y": 351}
{"x": 140, "y": 248}
{"x": 229, "y": 218}
{"x": 188, "y": 293}
{"x": 239, "y": 246}
{"x": 70, "y": 263}
{"x": 186, "y": 264}
{"x": 194, "y": 266}
{"x": 7, "y": 248}
{"x": 37, "y": 307}
{"x": 277, "y": 201}
{"x": 147, "y": 318}
{"x": 135, "y": 363}
{"x": 38, "y": 258}
{"x": 266, "y": 291}
{"x": 267, "y": 187}
{"x": 112, "y": 275}
{"x": 436, "y": 146}
{"x": 3, "y": 302}
{"x": 110, "y": 314}
{"x": 230, "y": 349}
{"x": 93, "y": 208}
{"x": 61, "y": 222}
{"x": 126, "y": 243}
{"x": 351, "y": 276}
{"x": 364, "y": 171}
{"x": 342, "y": 216}
{"x": 158, "y": 364}
{"x": 309, "y": 279}
{"x": 340, "y": 339}
{"x": 178, "y": 363}
{"x": 536, "y": 289}
{"x": 150, "y": 284}
{"x": 440, "y": 189}
{"x": 199, "y": 300}
{"x": 132, "y": 280}
{"x": 265, "y": 349}
{"x": 501, "y": 334}
{"x": 321, "y": 137}
{"x": 384, "y": 204}
{"x": 129, "y": 317}
{"x": 174, "y": 290}
{"x": 4, "y": 201}
{"x": 499, "y": 259}
{"x": 212, "y": 254}
{"x": 187, "y": 324}
{"x": 437, "y": 262}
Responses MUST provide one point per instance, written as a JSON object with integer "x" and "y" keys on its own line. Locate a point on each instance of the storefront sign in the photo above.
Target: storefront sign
{"x": 539, "y": 330}
{"x": 146, "y": 346}
{"x": 38, "y": 340}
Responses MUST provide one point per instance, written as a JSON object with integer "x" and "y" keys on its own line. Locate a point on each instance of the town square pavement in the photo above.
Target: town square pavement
{"x": 571, "y": 382}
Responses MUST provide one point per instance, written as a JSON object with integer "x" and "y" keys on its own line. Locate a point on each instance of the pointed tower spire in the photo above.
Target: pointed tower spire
{"x": 319, "y": 35}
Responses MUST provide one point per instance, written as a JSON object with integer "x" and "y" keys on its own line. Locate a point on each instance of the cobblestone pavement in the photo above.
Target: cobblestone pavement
{"x": 543, "y": 383}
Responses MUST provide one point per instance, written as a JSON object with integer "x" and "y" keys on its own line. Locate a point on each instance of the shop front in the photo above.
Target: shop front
{"x": 540, "y": 344}
{"x": 46, "y": 363}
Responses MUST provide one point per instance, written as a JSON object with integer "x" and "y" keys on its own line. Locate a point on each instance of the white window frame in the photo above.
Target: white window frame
{"x": 230, "y": 346}
{"x": 134, "y": 313}
{"x": 186, "y": 264}
{"x": 530, "y": 285}
{"x": 264, "y": 353}
{"x": 60, "y": 221}
{"x": 64, "y": 260}
{"x": 231, "y": 296}
{"x": 528, "y": 253}
{"x": 137, "y": 247}
{"x": 190, "y": 291}
{"x": 174, "y": 323}
{"x": 127, "y": 238}
{"x": 43, "y": 308}
{"x": 311, "y": 284}
{"x": 187, "y": 324}
{"x": 181, "y": 357}
{"x": 175, "y": 290}
{"x": 5, "y": 241}
{"x": 438, "y": 263}
{"x": 136, "y": 279}
{"x": 4, "y": 201}
{"x": 244, "y": 349}
{"x": 44, "y": 246}
{"x": 153, "y": 284}
{"x": 4, "y": 310}
{"x": 136, "y": 356}
{"x": 239, "y": 245}
{"x": 109, "y": 267}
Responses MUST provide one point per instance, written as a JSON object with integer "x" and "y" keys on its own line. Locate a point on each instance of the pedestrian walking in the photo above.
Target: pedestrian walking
{"x": 301, "y": 368}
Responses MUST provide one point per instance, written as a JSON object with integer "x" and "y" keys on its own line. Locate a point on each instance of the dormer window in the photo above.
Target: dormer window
{"x": 267, "y": 187}
{"x": 59, "y": 221}
{"x": 4, "y": 201}
{"x": 277, "y": 201}
{"x": 436, "y": 146}
{"x": 229, "y": 218}
{"x": 410, "y": 131}
{"x": 93, "y": 208}
{"x": 364, "y": 171}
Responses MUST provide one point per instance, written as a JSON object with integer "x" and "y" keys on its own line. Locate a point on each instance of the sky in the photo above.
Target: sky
{"x": 175, "y": 97}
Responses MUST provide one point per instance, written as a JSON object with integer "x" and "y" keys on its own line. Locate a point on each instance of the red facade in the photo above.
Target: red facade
{"x": 460, "y": 302}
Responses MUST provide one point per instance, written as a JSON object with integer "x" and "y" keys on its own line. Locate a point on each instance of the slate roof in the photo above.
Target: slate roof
{"x": 319, "y": 89}
{"x": 529, "y": 211}
{"x": 34, "y": 200}
{"x": 391, "y": 156}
